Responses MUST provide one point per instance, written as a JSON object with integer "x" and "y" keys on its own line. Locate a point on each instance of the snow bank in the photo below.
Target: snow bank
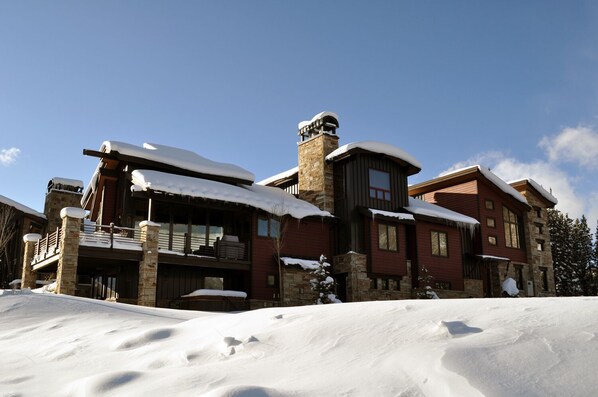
{"x": 270, "y": 199}
{"x": 216, "y": 292}
{"x": 181, "y": 158}
{"x": 57, "y": 345}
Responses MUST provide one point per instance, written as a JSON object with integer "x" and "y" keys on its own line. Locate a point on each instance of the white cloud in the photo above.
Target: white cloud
{"x": 574, "y": 145}
{"x": 9, "y": 156}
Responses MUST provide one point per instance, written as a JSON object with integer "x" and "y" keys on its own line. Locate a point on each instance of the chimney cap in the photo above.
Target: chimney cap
{"x": 321, "y": 123}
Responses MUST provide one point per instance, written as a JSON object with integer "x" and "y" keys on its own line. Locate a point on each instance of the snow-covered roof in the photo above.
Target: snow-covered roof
{"x": 282, "y": 175}
{"x": 270, "y": 199}
{"x": 420, "y": 207}
{"x": 376, "y": 147}
{"x": 543, "y": 192}
{"x": 499, "y": 183}
{"x": 398, "y": 215}
{"x": 181, "y": 158}
{"x": 306, "y": 264}
{"x": 20, "y": 207}
{"x": 316, "y": 117}
{"x": 66, "y": 181}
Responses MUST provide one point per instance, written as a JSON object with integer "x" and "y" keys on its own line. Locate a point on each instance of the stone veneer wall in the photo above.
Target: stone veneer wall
{"x": 66, "y": 275}
{"x": 56, "y": 200}
{"x": 148, "y": 267}
{"x": 297, "y": 287}
{"x": 538, "y": 259}
{"x": 29, "y": 276}
{"x": 316, "y": 182}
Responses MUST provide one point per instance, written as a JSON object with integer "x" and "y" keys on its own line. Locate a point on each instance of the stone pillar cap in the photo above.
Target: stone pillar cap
{"x": 72, "y": 212}
{"x": 149, "y": 223}
{"x": 32, "y": 237}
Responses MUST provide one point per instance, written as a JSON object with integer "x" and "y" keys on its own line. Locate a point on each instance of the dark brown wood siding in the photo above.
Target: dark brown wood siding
{"x": 351, "y": 186}
{"x": 386, "y": 262}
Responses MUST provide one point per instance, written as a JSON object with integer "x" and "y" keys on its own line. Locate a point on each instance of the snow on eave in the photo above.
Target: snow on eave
{"x": 181, "y": 158}
{"x": 388, "y": 214}
{"x": 305, "y": 264}
{"x": 270, "y": 199}
{"x": 377, "y": 147}
{"x": 283, "y": 175}
{"x": 493, "y": 258}
{"x": 490, "y": 176}
{"x": 543, "y": 192}
{"x": 21, "y": 207}
{"x": 420, "y": 207}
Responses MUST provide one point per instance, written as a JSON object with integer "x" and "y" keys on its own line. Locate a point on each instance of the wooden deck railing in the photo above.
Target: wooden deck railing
{"x": 197, "y": 245}
{"x": 48, "y": 245}
{"x": 109, "y": 235}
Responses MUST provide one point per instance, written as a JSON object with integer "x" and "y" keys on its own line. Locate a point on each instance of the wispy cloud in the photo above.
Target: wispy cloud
{"x": 577, "y": 145}
{"x": 9, "y": 156}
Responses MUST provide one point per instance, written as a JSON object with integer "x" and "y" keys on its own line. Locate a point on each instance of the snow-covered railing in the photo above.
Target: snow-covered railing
{"x": 47, "y": 246}
{"x": 110, "y": 236}
{"x": 225, "y": 247}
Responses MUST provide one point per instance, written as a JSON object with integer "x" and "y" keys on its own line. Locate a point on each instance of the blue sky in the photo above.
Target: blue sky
{"x": 512, "y": 85}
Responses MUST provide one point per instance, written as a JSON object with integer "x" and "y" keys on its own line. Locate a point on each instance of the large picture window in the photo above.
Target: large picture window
{"x": 387, "y": 237}
{"x": 439, "y": 244}
{"x": 511, "y": 228}
{"x": 379, "y": 185}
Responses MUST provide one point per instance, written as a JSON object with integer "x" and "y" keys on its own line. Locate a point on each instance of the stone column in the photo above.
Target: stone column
{"x": 66, "y": 275}
{"x": 148, "y": 267}
{"x": 29, "y": 276}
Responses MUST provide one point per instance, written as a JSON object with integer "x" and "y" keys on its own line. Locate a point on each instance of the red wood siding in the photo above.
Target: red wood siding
{"x": 461, "y": 198}
{"x": 302, "y": 239}
{"x": 446, "y": 269}
{"x": 383, "y": 261}
{"x": 500, "y": 249}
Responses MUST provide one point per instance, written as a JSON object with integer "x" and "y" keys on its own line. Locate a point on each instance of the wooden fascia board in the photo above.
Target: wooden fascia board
{"x": 528, "y": 186}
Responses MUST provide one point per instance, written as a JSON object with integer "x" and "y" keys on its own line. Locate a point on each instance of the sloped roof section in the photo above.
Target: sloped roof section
{"x": 270, "y": 199}
{"x": 492, "y": 177}
{"x": 282, "y": 175}
{"x": 377, "y": 147}
{"x": 181, "y": 158}
{"x": 20, "y": 207}
{"x": 543, "y": 192}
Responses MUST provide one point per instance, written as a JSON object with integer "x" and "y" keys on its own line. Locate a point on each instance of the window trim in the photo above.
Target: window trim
{"x": 509, "y": 226}
{"x": 386, "y": 194}
{"x": 388, "y": 227}
{"x": 439, "y": 246}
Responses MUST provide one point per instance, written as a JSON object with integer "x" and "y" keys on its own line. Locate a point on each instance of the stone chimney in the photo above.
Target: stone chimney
{"x": 318, "y": 139}
{"x": 61, "y": 193}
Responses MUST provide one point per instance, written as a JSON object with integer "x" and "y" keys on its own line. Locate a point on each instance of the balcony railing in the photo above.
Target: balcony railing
{"x": 225, "y": 247}
{"x": 110, "y": 236}
{"x": 47, "y": 246}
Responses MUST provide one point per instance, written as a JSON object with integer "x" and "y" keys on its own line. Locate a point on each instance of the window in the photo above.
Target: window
{"x": 540, "y": 245}
{"x": 511, "y": 228}
{"x": 490, "y": 222}
{"x": 373, "y": 283}
{"x": 544, "y": 278}
{"x": 539, "y": 228}
{"x": 387, "y": 237}
{"x": 442, "y": 285}
{"x": 379, "y": 185}
{"x": 271, "y": 280}
{"x": 268, "y": 227}
{"x": 384, "y": 284}
{"x": 439, "y": 244}
{"x": 538, "y": 211}
{"x": 492, "y": 240}
{"x": 519, "y": 272}
{"x": 489, "y": 204}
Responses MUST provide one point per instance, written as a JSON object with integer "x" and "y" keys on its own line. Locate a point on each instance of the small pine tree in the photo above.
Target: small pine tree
{"x": 323, "y": 284}
{"x": 426, "y": 278}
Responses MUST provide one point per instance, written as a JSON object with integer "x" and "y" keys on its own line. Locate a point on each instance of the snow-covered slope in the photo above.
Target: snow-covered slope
{"x": 56, "y": 345}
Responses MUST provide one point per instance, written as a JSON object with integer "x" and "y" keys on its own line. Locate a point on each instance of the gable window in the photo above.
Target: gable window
{"x": 439, "y": 244}
{"x": 387, "y": 237}
{"x": 490, "y": 222}
{"x": 511, "y": 228}
{"x": 540, "y": 245}
{"x": 379, "y": 185}
{"x": 538, "y": 211}
{"x": 539, "y": 228}
{"x": 268, "y": 227}
{"x": 492, "y": 240}
{"x": 489, "y": 204}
